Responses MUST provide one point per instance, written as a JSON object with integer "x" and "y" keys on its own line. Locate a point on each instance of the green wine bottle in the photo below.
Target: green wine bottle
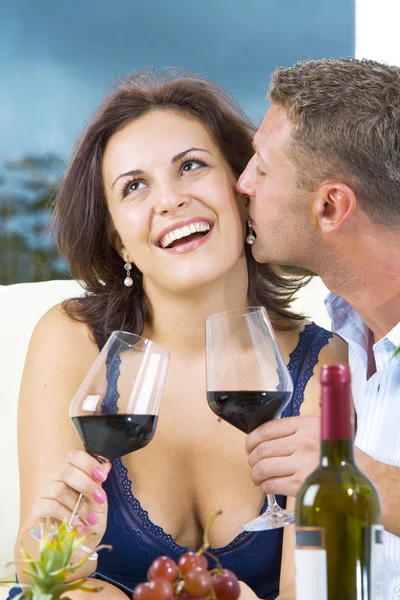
{"x": 339, "y": 533}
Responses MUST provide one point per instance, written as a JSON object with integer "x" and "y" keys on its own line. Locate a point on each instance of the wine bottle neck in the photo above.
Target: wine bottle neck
{"x": 336, "y": 452}
{"x": 337, "y": 430}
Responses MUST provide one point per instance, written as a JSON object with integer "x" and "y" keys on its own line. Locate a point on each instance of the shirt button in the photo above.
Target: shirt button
{"x": 398, "y": 591}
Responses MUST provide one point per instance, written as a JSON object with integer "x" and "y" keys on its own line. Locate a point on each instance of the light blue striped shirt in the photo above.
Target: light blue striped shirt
{"x": 377, "y": 403}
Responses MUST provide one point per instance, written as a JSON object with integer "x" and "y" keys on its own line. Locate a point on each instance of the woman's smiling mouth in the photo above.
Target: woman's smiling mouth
{"x": 185, "y": 236}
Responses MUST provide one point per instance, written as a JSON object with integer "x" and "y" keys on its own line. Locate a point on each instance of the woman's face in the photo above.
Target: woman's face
{"x": 171, "y": 195}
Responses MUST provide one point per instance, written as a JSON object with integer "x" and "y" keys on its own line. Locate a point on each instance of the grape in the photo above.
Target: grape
{"x": 164, "y": 567}
{"x": 191, "y": 560}
{"x": 198, "y": 582}
{"x": 161, "y": 589}
{"x": 226, "y": 585}
{"x": 142, "y": 591}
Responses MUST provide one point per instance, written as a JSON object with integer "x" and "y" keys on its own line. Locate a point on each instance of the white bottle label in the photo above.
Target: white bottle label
{"x": 377, "y": 563}
{"x": 312, "y": 570}
{"x": 311, "y": 575}
{"x": 311, "y": 564}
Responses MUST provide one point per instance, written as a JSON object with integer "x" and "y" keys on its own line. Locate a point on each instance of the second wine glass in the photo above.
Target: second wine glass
{"x": 248, "y": 383}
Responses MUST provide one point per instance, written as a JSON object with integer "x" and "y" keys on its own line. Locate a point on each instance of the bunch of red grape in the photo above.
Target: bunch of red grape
{"x": 190, "y": 579}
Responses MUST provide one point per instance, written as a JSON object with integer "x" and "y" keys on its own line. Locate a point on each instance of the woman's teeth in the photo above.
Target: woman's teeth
{"x": 182, "y": 232}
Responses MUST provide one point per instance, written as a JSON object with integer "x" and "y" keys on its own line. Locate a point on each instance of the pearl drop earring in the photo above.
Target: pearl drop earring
{"x": 128, "y": 281}
{"x": 251, "y": 238}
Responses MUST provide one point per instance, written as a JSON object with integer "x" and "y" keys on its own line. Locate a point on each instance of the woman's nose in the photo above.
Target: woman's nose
{"x": 171, "y": 202}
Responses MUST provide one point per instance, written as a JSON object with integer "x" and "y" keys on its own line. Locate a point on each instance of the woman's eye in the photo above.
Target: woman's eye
{"x": 191, "y": 165}
{"x": 132, "y": 186}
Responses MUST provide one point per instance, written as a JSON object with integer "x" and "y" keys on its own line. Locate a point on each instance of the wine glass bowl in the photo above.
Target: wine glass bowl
{"x": 248, "y": 382}
{"x": 115, "y": 409}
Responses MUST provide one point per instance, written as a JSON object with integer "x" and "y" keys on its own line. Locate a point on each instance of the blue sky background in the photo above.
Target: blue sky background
{"x": 58, "y": 58}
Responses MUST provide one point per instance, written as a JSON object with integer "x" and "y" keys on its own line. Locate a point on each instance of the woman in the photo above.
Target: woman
{"x": 163, "y": 151}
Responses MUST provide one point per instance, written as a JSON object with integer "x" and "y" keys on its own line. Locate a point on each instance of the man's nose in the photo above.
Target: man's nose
{"x": 246, "y": 181}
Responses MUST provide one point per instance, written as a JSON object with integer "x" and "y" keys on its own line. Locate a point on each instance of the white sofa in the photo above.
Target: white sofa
{"x": 21, "y": 306}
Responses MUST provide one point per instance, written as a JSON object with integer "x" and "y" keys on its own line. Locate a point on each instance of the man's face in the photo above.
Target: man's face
{"x": 280, "y": 211}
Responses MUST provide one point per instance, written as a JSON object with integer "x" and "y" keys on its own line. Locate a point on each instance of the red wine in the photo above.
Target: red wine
{"x": 112, "y": 436}
{"x": 248, "y": 410}
{"x": 339, "y": 533}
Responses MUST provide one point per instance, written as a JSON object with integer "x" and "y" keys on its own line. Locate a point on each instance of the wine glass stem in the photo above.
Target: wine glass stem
{"x": 77, "y": 509}
{"x": 273, "y": 506}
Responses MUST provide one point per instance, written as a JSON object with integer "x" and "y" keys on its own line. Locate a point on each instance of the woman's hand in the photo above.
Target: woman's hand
{"x": 79, "y": 474}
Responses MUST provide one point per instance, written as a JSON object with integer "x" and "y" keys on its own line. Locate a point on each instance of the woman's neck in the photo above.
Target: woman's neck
{"x": 177, "y": 320}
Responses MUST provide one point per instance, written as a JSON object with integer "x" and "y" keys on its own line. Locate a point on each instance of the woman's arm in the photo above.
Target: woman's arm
{"x": 108, "y": 592}
{"x": 51, "y": 475}
{"x": 286, "y": 583}
{"x": 334, "y": 353}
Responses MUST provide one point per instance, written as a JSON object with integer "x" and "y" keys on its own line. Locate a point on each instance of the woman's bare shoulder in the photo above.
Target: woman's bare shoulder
{"x": 335, "y": 351}
{"x": 62, "y": 338}
{"x": 57, "y": 321}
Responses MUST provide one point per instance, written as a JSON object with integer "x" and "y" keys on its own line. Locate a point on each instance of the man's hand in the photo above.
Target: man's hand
{"x": 283, "y": 453}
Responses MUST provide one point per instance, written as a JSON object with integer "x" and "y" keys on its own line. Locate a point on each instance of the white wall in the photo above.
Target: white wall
{"x": 377, "y": 30}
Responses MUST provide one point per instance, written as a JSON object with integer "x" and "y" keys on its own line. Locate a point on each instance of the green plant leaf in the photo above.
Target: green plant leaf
{"x": 79, "y": 584}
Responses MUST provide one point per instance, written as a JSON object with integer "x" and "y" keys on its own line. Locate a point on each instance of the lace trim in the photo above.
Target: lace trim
{"x": 302, "y": 361}
{"x": 300, "y": 370}
{"x": 110, "y": 400}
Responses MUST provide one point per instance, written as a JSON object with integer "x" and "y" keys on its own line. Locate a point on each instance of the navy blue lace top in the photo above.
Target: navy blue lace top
{"x": 137, "y": 541}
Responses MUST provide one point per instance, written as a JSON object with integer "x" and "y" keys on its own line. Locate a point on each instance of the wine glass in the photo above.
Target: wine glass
{"x": 115, "y": 409}
{"x": 248, "y": 383}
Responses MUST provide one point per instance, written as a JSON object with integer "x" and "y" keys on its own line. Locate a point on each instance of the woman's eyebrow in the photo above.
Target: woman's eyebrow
{"x": 182, "y": 154}
{"x": 175, "y": 159}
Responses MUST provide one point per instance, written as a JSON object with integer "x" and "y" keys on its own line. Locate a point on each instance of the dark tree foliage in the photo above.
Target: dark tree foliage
{"x": 28, "y": 253}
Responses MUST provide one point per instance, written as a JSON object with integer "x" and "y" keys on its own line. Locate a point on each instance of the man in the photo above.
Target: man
{"x": 324, "y": 189}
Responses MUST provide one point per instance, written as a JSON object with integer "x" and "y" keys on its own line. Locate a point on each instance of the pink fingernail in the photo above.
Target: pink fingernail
{"x": 83, "y": 526}
{"x": 99, "y": 475}
{"x": 92, "y": 518}
{"x": 99, "y": 496}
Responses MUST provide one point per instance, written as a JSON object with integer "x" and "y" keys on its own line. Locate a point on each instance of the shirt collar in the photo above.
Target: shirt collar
{"x": 350, "y": 326}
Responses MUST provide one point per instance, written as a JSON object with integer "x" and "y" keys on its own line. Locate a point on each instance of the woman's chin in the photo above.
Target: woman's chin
{"x": 194, "y": 281}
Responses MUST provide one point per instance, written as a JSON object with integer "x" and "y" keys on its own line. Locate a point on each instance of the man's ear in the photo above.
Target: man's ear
{"x": 334, "y": 205}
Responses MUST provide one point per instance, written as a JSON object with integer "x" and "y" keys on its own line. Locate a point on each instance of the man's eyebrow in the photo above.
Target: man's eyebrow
{"x": 133, "y": 173}
{"x": 182, "y": 154}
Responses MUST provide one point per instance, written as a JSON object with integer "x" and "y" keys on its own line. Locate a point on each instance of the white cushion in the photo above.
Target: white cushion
{"x": 21, "y": 307}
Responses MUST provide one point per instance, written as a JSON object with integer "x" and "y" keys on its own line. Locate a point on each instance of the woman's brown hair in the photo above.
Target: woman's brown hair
{"x": 83, "y": 223}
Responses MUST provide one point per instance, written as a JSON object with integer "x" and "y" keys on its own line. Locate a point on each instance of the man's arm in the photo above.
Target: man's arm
{"x": 387, "y": 480}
